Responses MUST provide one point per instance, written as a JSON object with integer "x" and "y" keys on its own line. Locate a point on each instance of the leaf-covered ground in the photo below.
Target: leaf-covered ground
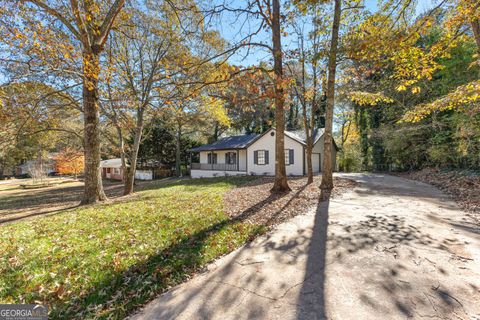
{"x": 462, "y": 186}
{"x": 254, "y": 202}
{"x": 105, "y": 260}
{"x": 17, "y": 203}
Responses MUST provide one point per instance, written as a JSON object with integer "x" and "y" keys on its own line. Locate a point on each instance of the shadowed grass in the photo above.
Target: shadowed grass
{"x": 106, "y": 260}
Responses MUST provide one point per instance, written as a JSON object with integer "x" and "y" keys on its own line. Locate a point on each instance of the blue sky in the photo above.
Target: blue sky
{"x": 229, "y": 27}
{"x": 232, "y": 29}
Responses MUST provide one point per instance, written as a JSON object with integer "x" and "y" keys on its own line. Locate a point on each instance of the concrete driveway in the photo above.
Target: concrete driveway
{"x": 389, "y": 249}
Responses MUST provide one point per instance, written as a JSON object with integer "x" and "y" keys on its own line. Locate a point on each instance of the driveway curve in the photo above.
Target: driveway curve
{"x": 389, "y": 249}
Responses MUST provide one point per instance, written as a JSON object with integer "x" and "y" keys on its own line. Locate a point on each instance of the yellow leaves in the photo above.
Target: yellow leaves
{"x": 463, "y": 97}
{"x": 91, "y": 73}
{"x": 416, "y": 90}
{"x": 215, "y": 108}
{"x": 19, "y": 36}
{"x": 412, "y": 64}
{"x": 368, "y": 99}
{"x": 383, "y": 44}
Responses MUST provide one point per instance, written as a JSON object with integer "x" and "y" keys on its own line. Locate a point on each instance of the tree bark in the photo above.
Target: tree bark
{"x": 280, "y": 183}
{"x": 130, "y": 172}
{"x": 327, "y": 172}
{"x": 215, "y": 132}
{"x": 121, "y": 146}
{"x": 307, "y": 124}
{"x": 93, "y": 180}
{"x": 309, "y": 160}
{"x": 178, "y": 169}
{"x": 93, "y": 36}
{"x": 476, "y": 33}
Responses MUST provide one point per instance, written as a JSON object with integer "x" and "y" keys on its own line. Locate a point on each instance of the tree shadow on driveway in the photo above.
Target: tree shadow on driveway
{"x": 311, "y": 299}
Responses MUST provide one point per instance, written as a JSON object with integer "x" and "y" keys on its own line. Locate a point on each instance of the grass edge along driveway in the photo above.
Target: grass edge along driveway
{"x": 106, "y": 260}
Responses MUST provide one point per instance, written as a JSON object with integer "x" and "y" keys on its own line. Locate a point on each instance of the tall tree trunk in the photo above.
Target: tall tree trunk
{"x": 281, "y": 183}
{"x": 327, "y": 172}
{"x": 309, "y": 160}
{"x": 93, "y": 178}
{"x": 308, "y": 138}
{"x": 130, "y": 172}
{"x": 476, "y": 33}
{"x": 121, "y": 146}
{"x": 215, "y": 132}
{"x": 308, "y": 125}
{"x": 178, "y": 168}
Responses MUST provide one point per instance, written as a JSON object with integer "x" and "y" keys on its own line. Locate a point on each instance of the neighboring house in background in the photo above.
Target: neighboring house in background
{"x": 255, "y": 155}
{"x": 112, "y": 169}
{"x": 47, "y": 165}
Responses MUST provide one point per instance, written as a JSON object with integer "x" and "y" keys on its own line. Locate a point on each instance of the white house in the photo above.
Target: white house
{"x": 255, "y": 155}
{"x": 112, "y": 169}
{"x": 46, "y": 164}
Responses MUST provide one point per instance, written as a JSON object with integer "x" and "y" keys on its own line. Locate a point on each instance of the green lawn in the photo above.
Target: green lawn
{"x": 104, "y": 261}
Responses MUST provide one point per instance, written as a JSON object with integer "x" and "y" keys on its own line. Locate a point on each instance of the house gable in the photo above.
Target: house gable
{"x": 266, "y": 141}
{"x": 318, "y": 149}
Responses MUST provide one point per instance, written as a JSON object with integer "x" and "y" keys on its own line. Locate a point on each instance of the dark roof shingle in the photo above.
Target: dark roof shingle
{"x": 234, "y": 142}
{"x": 299, "y": 135}
{"x": 243, "y": 141}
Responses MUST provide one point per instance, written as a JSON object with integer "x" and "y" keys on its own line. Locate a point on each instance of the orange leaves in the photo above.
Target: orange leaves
{"x": 69, "y": 162}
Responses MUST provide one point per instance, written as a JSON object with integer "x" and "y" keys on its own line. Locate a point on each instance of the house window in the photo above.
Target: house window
{"x": 210, "y": 158}
{"x": 108, "y": 170}
{"x": 230, "y": 158}
{"x": 288, "y": 156}
{"x": 116, "y": 171}
{"x": 260, "y": 157}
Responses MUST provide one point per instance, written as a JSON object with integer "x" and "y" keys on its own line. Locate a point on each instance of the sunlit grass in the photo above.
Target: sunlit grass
{"x": 106, "y": 260}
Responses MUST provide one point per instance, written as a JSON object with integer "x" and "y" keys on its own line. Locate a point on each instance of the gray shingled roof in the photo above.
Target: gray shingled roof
{"x": 234, "y": 142}
{"x": 299, "y": 135}
{"x": 243, "y": 141}
{"x": 111, "y": 163}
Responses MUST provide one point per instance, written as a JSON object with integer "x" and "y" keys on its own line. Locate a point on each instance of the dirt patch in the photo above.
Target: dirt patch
{"x": 254, "y": 201}
{"x": 462, "y": 186}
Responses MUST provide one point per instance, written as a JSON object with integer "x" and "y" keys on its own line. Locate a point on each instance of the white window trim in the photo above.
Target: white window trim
{"x": 286, "y": 152}
{"x": 264, "y": 158}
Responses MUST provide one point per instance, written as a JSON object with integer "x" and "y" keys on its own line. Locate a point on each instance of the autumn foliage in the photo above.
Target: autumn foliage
{"x": 69, "y": 162}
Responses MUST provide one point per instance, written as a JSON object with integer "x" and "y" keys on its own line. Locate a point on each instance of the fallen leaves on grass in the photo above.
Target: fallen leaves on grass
{"x": 104, "y": 261}
{"x": 254, "y": 201}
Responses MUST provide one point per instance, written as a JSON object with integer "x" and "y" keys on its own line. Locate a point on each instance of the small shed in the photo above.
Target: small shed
{"x": 153, "y": 169}
{"x": 146, "y": 174}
